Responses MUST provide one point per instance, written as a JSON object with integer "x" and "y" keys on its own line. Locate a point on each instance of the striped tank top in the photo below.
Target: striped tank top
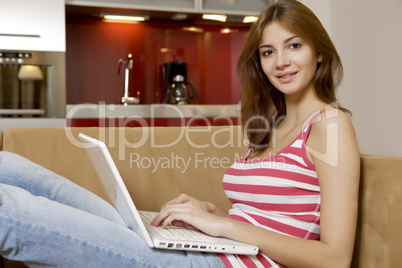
{"x": 279, "y": 193}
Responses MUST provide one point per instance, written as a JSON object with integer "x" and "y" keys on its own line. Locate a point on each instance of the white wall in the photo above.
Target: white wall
{"x": 367, "y": 34}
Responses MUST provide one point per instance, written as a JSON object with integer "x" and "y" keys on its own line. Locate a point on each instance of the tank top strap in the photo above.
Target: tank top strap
{"x": 306, "y": 129}
{"x": 249, "y": 152}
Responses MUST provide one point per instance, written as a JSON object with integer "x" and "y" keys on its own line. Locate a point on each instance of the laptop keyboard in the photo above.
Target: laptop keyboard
{"x": 175, "y": 232}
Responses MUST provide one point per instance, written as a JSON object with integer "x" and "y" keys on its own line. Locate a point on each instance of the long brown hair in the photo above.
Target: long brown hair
{"x": 262, "y": 104}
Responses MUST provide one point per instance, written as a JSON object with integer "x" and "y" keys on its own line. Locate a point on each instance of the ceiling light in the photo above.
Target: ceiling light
{"x": 165, "y": 50}
{"x": 124, "y": 18}
{"x": 217, "y": 17}
{"x": 179, "y": 16}
{"x": 227, "y": 30}
{"x": 248, "y": 19}
{"x": 193, "y": 29}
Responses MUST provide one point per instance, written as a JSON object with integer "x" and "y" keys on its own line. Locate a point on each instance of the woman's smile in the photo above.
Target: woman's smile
{"x": 286, "y": 77}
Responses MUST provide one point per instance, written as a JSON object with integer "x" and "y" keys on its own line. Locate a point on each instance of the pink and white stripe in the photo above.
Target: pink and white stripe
{"x": 279, "y": 193}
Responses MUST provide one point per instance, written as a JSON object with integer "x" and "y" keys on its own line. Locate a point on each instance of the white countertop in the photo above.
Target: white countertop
{"x": 82, "y": 111}
{"x": 151, "y": 111}
{"x": 31, "y": 122}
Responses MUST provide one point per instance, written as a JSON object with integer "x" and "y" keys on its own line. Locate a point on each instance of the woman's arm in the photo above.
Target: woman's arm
{"x": 337, "y": 161}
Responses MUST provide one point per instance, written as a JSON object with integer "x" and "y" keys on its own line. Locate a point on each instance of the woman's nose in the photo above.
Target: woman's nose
{"x": 282, "y": 60}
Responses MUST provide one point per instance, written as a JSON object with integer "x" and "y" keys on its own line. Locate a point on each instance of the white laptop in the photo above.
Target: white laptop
{"x": 175, "y": 238}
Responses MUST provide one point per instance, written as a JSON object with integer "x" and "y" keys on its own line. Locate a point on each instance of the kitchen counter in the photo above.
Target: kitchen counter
{"x": 112, "y": 115}
{"x": 151, "y": 111}
{"x": 93, "y": 115}
{"x": 31, "y": 122}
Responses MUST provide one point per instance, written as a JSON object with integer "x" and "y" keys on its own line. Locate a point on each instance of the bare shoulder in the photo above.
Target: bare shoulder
{"x": 331, "y": 119}
{"x": 331, "y": 133}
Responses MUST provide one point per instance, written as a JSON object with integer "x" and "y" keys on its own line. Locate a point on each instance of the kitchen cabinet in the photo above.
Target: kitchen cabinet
{"x": 239, "y": 7}
{"x": 161, "y": 5}
{"x": 32, "y": 25}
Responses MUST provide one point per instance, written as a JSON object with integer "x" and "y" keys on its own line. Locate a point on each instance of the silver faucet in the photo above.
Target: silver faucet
{"x": 126, "y": 99}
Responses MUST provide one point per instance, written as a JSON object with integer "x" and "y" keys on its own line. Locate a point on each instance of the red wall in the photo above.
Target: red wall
{"x": 94, "y": 48}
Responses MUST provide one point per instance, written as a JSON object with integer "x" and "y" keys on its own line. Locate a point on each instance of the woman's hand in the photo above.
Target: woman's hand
{"x": 186, "y": 210}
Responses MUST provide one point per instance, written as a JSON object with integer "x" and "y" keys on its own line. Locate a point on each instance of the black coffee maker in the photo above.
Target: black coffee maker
{"x": 176, "y": 84}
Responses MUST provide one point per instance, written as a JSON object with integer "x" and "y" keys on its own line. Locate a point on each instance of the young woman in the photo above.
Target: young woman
{"x": 294, "y": 193}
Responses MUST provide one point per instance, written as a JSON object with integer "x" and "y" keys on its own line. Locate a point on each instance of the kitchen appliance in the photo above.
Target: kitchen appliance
{"x": 32, "y": 84}
{"x": 176, "y": 84}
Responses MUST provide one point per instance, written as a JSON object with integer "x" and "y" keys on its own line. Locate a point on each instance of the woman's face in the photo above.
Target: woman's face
{"x": 287, "y": 60}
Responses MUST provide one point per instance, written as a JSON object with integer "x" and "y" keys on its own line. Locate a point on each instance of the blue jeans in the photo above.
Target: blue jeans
{"x": 46, "y": 220}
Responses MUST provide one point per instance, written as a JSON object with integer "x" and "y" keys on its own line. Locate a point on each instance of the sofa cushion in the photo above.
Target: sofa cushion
{"x": 157, "y": 164}
{"x": 379, "y": 228}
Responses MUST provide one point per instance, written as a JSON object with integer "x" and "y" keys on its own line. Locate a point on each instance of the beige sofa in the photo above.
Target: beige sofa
{"x": 158, "y": 164}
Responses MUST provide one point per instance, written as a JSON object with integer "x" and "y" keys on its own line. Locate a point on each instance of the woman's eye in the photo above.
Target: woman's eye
{"x": 295, "y": 45}
{"x": 267, "y": 53}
